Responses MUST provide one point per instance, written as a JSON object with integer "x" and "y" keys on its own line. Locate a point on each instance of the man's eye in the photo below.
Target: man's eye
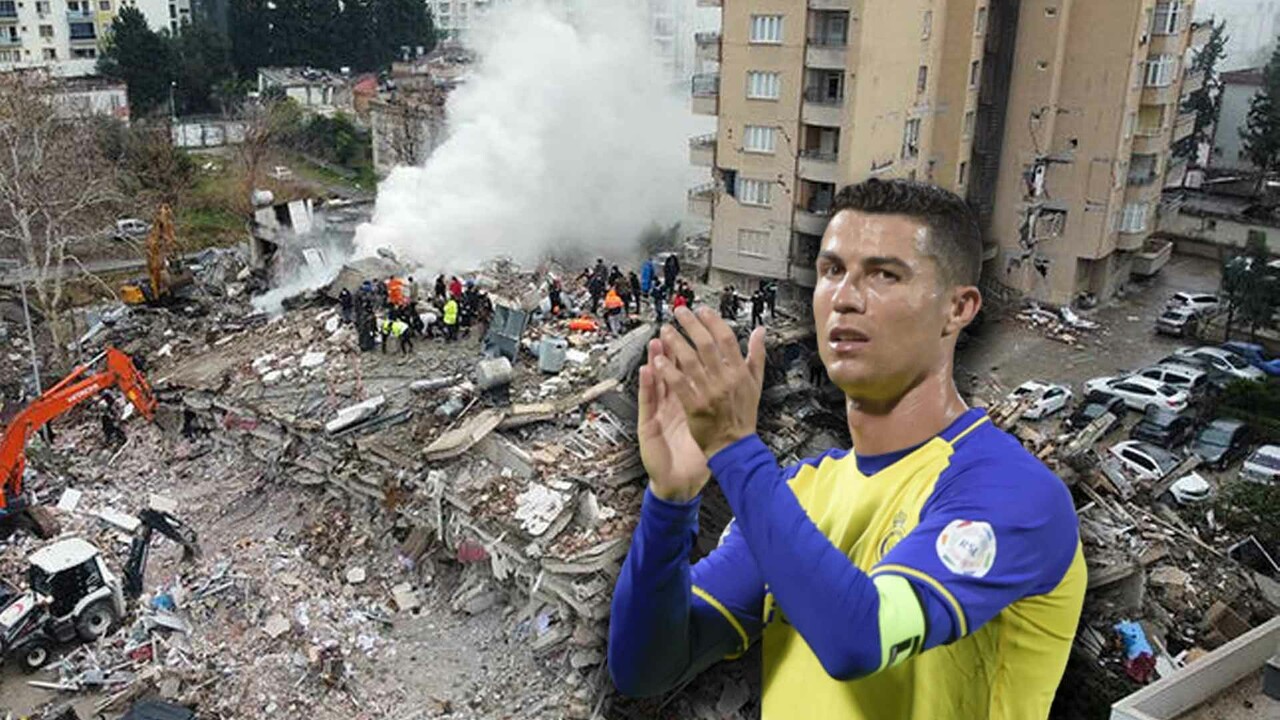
{"x": 884, "y": 275}
{"x": 830, "y": 270}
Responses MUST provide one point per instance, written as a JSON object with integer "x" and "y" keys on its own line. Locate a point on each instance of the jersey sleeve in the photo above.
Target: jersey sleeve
{"x": 991, "y": 534}
{"x": 728, "y": 582}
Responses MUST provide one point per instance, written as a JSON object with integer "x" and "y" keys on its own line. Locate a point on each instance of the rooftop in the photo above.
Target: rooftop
{"x": 1248, "y": 76}
{"x": 295, "y": 76}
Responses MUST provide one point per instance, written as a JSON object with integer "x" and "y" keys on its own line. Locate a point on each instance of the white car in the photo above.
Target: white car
{"x": 1224, "y": 360}
{"x": 1190, "y": 489}
{"x": 280, "y": 172}
{"x": 1139, "y": 392}
{"x": 1048, "y": 398}
{"x": 1263, "y": 465}
{"x": 1205, "y": 304}
{"x": 1189, "y": 380}
{"x": 1144, "y": 460}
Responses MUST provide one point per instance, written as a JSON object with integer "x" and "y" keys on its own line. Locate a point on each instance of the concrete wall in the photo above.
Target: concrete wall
{"x": 1227, "y": 147}
{"x": 1216, "y": 232}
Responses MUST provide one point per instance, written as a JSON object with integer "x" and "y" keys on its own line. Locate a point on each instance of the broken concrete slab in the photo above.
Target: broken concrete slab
{"x": 628, "y": 352}
{"x": 356, "y": 575}
{"x": 538, "y": 507}
{"x": 163, "y": 504}
{"x": 312, "y": 359}
{"x": 522, "y": 414}
{"x": 462, "y": 438}
{"x": 405, "y": 598}
{"x": 1169, "y": 576}
{"x": 115, "y": 518}
{"x": 276, "y": 626}
{"x": 352, "y": 414}
{"x": 506, "y": 454}
{"x": 493, "y": 373}
{"x": 70, "y": 500}
{"x": 432, "y": 384}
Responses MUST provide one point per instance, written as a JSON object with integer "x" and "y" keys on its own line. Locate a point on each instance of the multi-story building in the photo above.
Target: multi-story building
{"x": 1238, "y": 89}
{"x": 65, "y": 36}
{"x": 455, "y": 18}
{"x": 1024, "y": 108}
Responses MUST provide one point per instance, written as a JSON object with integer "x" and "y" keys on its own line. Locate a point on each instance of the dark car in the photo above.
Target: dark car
{"x": 1221, "y": 443}
{"x": 1093, "y": 406}
{"x": 1163, "y": 427}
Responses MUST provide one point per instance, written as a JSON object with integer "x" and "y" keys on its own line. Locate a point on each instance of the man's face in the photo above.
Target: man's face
{"x": 880, "y": 305}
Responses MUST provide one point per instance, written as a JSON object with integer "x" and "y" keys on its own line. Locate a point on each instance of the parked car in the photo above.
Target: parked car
{"x": 131, "y": 229}
{"x": 1225, "y": 360}
{"x": 1255, "y": 356}
{"x": 1189, "y": 380}
{"x": 1093, "y": 406}
{"x": 1190, "y": 489}
{"x": 1217, "y": 378}
{"x": 1205, "y": 304}
{"x": 1221, "y": 442}
{"x": 1047, "y": 398}
{"x": 1139, "y": 392}
{"x": 1144, "y": 460}
{"x": 280, "y": 172}
{"x": 1178, "y": 322}
{"x": 1162, "y": 427}
{"x": 1263, "y": 465}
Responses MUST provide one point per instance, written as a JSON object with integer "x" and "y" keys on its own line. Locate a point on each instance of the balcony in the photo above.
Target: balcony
{"x": 819, "y": 166}
{"x": 1144, "y": 188}
{"x": 701, "y": 199}
{"x": 830, "y": 4}
{"x": 702, "y": 150}
{"x": 822, "y": 109}
{"x": 1166, "y": 95}
{"x": 1192, "y": 82}
{"x": 79, "y": 16}
{"x": 826, "y": 54}
{"x": 1185, "y": 125}
{"x": 706, "y": 94}
{"x": 83, "y": 32}
{"x": 708, "y": 46}
{"x": 1165, "y": 45}
{"x": 7, "y": 40}
{"x": 709, "y": 3}
{"x": 1149, "y": 141}
{"x": 1200, "y": 33}
{"x": 1176, "y": 173}
{"x": 812, "y": 222}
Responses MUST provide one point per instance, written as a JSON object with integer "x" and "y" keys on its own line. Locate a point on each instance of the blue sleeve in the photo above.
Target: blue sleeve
{"x": 670, "y": 622}
{"x": 992, "y": 533}
{"x": 832, "y": 604}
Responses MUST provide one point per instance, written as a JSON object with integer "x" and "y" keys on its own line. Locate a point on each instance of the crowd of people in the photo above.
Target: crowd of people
{"x": 394, "y": 309}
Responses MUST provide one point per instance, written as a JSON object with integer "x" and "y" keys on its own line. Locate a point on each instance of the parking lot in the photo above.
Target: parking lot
{"x": 1009, "y": 353}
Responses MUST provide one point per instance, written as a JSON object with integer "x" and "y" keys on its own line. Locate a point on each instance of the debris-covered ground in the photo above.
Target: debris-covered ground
{"x": 437, "y": 534}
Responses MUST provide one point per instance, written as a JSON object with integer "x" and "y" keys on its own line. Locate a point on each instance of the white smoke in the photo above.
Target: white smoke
{"x": 566, "y": 136}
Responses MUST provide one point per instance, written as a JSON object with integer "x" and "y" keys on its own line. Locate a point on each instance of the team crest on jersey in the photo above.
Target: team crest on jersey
{"x": 967, "y": 547}
{"x": 896, "y": 533}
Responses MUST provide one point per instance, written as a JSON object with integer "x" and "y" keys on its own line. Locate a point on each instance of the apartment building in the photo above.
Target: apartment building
{"x": 455, "y": 18}
{"x": 65, "y": 36}
{"x": 1015, "y": 105}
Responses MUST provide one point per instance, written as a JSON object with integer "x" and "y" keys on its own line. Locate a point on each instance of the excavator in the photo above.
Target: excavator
{"x": 163, "y": 275}
{"x": 16, "y": 506}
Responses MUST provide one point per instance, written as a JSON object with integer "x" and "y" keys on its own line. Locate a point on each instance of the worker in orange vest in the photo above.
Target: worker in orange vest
{"x": 395, "y": 291}
{"x": 613, "y": 309}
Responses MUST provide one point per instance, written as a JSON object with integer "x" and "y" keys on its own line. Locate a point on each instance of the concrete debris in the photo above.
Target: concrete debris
{"x": 538, "y": 507}
{"x": 353, "y": 414}
{"x": 405, "y": 598}
{"x": 493, "y": 373}
{"x": 70, "y": 500}
{"x": 311, "y": 360}
{"x": 356, "y": 575}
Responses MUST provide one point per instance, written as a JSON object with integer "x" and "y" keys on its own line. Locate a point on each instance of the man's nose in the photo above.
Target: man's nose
{"x": 848, "y": 296}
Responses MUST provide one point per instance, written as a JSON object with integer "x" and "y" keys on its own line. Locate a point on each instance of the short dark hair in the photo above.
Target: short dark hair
{"x": 955, "y": 239}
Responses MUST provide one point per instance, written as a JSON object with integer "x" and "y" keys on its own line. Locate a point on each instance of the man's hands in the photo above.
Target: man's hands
{"x": 695, "y": 400}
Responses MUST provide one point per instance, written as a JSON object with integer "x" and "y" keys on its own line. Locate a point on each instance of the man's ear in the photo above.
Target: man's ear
{"x": 966, "y": 301}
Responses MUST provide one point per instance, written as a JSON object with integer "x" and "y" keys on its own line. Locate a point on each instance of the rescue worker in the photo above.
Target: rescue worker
{"x": 636, "y": 290}
{"x": 384, "y": 329}
{"x": 111, "y": 432}
{"x": 440, "y": 290}
{"x": 553, "y": 294}
{"x": 670, "y": 270}
{"x": 348, "y": 305}
{"x": 400, "y": 331}
{"x": 658, "y": 294}
{"x": 757, "y": 308}
{"x": 451, "y": 319}
{"x": 613, "y": 309}
{"x": 647, "y": 276}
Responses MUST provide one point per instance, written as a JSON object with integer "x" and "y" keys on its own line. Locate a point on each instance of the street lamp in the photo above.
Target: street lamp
{"x": 173, "y": 115}
{"x": 26, "y": 315}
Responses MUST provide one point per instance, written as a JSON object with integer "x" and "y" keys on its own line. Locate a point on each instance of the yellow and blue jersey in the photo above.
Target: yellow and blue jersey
{"x": 942, "y": 581}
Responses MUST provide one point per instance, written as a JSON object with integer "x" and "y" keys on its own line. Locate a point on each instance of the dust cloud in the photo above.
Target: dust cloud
{"x": 566, "y": 137}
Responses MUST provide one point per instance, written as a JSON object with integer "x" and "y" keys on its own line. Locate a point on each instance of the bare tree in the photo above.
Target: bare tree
{"x": 267, "y": 123}
{"x": 57, "y": 186}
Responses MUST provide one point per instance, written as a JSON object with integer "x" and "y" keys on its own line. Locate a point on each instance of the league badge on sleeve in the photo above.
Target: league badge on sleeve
{"x": 967, "y": 547}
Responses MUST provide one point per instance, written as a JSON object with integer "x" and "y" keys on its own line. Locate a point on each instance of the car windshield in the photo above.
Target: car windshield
{"x": 1235, "y": 362}
{"x": 1092, "y": 410}
{"x": 1215, "y": 436}
{"x": 1266, "y": 460}
{"x": 1168, "y": 390}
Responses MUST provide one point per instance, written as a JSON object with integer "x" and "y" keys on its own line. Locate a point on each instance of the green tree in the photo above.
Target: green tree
{"x": 249, "y": 27}
{"x": 403, "y": 24}
{"x": 1206, "y": 101}
{"x": 139, "y": 56}
{"x": 1252, "y": 290}
{"x": 202, "y": 60}
{"x": 1261, "y": 133}
{"x": 307, "y": 32}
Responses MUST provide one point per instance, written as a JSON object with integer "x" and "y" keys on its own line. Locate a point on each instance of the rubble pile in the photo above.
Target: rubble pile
{"x": 1065, "y": 325}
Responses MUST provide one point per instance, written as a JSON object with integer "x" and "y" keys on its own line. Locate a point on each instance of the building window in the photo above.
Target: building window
{"x": 753, "y": 243}
{"x": 84, "y": 53}
{"x": 1161, "y": 70}
{"x": 974, "y": 68}
{"x": 173, "y": 11}
{"x": 1133, "y": 219}
{"x": 763, "y": 85}
{"x": 104, "y": 5}
{"x": 962, "y": 175}
{"x": 766, "y": 29}
{"x": 1168, "y": 18}
{"x": 968, "y": 123}
{"x": 758, "y": 139}
{"x": 911, "y": 138}
{"x": 753, "y": 192}
{"x": 1147, "y": 23}
{"x": 926, "y": 28}
{"x": 42, "y": 7}
{"x": 46, "y": 31}
{"x": 49, "y": 54}
{"x": 980, "y": 24}
{"x": 922, "y": 79}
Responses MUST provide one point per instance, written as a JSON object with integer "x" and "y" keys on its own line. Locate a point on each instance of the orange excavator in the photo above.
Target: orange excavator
{"x": 118, "y": 370}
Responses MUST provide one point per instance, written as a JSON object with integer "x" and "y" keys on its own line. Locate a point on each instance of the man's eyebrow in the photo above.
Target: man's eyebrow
{"x": 881, "y": 261}
{"x": 830, "y": 257}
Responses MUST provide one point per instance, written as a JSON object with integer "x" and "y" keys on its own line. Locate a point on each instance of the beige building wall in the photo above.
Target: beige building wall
{"x": 1086, "y": 144}
{"x": 962, "y": 37}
